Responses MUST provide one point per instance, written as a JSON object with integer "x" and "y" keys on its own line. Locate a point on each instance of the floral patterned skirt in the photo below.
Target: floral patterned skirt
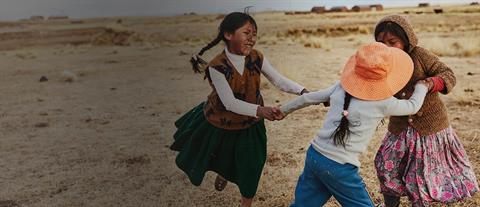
{"x": 433, "y": 168}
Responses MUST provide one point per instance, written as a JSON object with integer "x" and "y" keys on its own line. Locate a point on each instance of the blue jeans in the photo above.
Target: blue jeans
{"x": 323, "y": 178}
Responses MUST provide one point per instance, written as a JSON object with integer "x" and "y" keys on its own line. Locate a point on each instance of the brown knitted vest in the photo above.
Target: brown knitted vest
{"x": 245, "y": 87}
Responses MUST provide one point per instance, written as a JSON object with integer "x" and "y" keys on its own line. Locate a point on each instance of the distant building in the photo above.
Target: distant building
{"x": 37, "y": 18}
{"x": 361, "y": 8}
{"x": 376, "y": 7}
{"x": 423, "y": 5}
{"x": 338, "y": 9}
{"x": 318, "y": 9}
{"x": 438, "y": 11}
{"x": 302, "y": 12}
{"x": 373, "y": 7}
{"x": 57, "y": 17}
{"x": 474, "y": 3}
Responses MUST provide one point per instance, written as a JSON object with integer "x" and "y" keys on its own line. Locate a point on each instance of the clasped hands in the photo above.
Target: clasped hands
{"x": 270, "y": 113}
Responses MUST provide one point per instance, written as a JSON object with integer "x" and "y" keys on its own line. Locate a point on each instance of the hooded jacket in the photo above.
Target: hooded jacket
{"x": 432, "y": 116}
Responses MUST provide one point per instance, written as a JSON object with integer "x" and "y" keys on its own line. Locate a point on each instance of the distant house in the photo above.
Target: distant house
{"x": 318, "y": 9}
{"x": 474, "y": 3}
{"x": 438, "y": 11}
{"x": 37, "y": 18}
{"x": 423, "y": 5}
{"x": 301, "y": 12}
{"x": 376, "y": 7}
{"x": 361, "y": 8}
{"x": 57, "y": 17}
{"x": 338, "y": 9}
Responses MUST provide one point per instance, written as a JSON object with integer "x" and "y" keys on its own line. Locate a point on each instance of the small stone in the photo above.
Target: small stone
{"x": 43, "y": 79}
{"x": 41, "y": 125}
{"x": 182, "y": 53}
{"x": 68, "y": 76}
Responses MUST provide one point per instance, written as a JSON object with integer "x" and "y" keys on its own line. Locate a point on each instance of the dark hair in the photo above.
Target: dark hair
{"x": 342, "y": 132}
{"x": 229, "y": 24}
{"x": 395, "y": 29}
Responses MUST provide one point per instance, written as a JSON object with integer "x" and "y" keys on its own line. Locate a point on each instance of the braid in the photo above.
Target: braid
{"x": 342, "y": 132}
{"x": 212, "y": 43}
{"x": 197, "y": 62}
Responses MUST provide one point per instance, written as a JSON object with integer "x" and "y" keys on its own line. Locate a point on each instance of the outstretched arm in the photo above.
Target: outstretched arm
{"x": 308, "y": 99}
{"x": 397, "y": 107}
{"x": 280, "y": 81}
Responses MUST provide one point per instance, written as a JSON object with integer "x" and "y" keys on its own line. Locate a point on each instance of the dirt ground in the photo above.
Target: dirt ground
{"x": 95, "y": 130}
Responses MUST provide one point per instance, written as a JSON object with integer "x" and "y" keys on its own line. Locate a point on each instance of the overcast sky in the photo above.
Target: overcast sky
{"x": 17, "y": 9}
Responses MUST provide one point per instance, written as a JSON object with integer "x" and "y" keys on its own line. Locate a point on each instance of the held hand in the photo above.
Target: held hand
{"x": 430, "y": 83}
{"x": 426, "y": 83}
{"x": 266, "y": 112}
{"x": 278, "y": 114}
{"x": 304, "y": 91}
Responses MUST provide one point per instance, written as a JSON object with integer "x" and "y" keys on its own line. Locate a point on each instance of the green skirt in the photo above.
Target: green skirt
{"x": 236, "y": 155}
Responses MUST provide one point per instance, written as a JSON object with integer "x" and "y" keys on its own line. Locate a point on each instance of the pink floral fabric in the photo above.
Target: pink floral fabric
{"x": 433, "y": 168}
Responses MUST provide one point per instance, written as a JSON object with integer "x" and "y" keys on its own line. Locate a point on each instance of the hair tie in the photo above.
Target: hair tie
{"x": 345, "y": 113}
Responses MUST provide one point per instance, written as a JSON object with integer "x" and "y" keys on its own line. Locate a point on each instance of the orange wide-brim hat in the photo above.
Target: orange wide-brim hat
{"x": 376, "y": 72}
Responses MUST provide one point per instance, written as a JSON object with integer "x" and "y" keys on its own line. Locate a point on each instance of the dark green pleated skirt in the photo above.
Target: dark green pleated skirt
{"x": 236, "y": 155}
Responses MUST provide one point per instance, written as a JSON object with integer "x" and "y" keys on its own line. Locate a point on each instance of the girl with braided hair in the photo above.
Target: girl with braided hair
{"x": 359, "y": 101}
{"x": 226, "y": 133}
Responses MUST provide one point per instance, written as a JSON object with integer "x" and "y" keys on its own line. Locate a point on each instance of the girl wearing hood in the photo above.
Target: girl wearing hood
{"x": 421, "y": 155}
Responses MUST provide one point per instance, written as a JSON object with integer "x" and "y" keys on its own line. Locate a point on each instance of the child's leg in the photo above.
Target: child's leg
{"x": 344, "y": 183}
{"x": 391, "y": 201}
{"x": 309, "y": 190}
{"x": 246, "y": 202}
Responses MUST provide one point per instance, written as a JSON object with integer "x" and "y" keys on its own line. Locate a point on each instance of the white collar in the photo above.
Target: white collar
{"x": 237, "y": 60}
{"x": 234, "y": 57}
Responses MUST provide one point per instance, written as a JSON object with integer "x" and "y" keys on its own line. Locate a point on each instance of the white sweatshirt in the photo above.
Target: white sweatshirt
{"x": 363, "y": 116}
{"x": 241, "y": 107}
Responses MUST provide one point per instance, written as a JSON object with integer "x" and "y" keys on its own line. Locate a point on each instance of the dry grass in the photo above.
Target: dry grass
{"x": 466, "y": 46}
{"x": 315, "y": 42}
{"x": 103, "y": 140}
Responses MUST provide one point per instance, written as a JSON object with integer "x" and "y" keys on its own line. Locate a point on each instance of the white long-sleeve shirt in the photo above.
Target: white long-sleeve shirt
{"x": 363, "y": 116}
{"x": 241, "y": 107}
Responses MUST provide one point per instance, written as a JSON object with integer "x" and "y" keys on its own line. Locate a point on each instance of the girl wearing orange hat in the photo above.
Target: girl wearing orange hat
{"x": 421, "y": 155}
{"x": 359, "y": 101}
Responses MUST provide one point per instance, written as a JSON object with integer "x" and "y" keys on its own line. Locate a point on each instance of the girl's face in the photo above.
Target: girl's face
{"x": 242, "y": 41}
{"x": 390, "y": 40}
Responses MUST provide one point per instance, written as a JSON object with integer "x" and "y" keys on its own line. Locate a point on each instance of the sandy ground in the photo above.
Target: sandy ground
{"x": 97, "y": 132}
